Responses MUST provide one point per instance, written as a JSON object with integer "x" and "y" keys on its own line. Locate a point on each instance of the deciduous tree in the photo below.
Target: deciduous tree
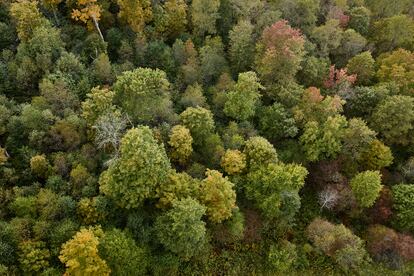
{"x": 142, "y": 166}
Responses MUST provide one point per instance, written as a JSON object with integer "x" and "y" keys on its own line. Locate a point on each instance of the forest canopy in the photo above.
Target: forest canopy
{"x": 206, "y": 137}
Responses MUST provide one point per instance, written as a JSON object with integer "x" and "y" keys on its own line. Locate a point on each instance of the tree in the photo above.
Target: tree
{"x": 315, "y": 107}
{"x": 204, "y": 14}
{"x": 275, "y": 122}
{"x": 193, "y": 97}
{"x": 3, "y": 156}
{"x": 122, "y": 254}
{"x": 142, "y": 166}
{"x": 199, "y": 121}
{"x": 398, "y": 67}
{"x": 274, "y": 189}
{"x": 338, "y": 242}
{"x": 27, "y": 17}
{"x": 279, "y": 53}
{"x": 360, "y": 19}
{"x": 144, "y": 94}
{"x": 358, "y": 138}
{"x": 135, "y": 13}
{"x": 362, "y": 65}
{"x": 170, "y": 19}
{"x": 181, "y": 229}
{"x": 243, "y": 99}
{"x": 39, "y": 166}
{"x": 80, "y": 254}
{"x": 213, "y": 61}
{"x": 241, "y": 50}
{"x": 88, "y": 10}
{"x": 282, "y": 256}
{"x": 366, "y": 187}
{"x": 393, "y": 119}
{"x": 34, "y": 256}
{"x": 352, "y": 43}
{"x": 233, "y": 162}
{"x": 302, "y": 14}
{"x": 259, "y": 152}
{"x": 328, "y": 198}
{"x": 327, "y": 37}
{"x": 109, "y": 129}
{"x": 181, "y": 144}
{"x": 403, "y": 198}
{"x": 322, "y": 141}
{"x": 177, "y": 187}
{"x": 97, "y": 103}
{"x": 217, "y": 194}
{"x": 388, "y": 34}
{"x": 376, "y": 156}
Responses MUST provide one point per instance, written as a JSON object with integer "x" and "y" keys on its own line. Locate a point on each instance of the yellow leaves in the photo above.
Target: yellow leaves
{"x": 135, "y": 13}
{"x": 80, "y": 254}
{"x": 88, "y": 9}
{"x": 27, "y": 16}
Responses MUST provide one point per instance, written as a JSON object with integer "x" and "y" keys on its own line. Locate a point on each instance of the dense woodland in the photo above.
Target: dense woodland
{"x": 207, "y": 137}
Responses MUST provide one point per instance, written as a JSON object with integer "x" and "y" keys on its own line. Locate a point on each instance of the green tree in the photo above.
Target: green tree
{"x": 388, "y": 34}
{"x": 275, "y": 122}
{"x": 327, "y": 37}
{"x": 122, "y": 254}
{"x": 393, "y": 119}
{"x": 204, "y": 14}
{"x": 376, "y": 156}
{"x": 193, "y": 97}
{"x": 217, "y": 194}
{"x": 80, "y": 254}
{"x": 144, "y": 94}
{"x": 243, "y": 99}
{"x": 322, "y": 141}
{"x": 212, "y": 58}
{"x": 178, "y": 186}
{"x": 358, "y": 138}
{"x": 241, "y": 51}
{"x": 359, "y": 20}
{"x": 362, "y": 65}
{"x": 259, "y": 152}
{"x": 274, "y": 188}
{"x": 34, "y": 256}
{"x": 366, "y": 187}
{"x": 302, "y": 14}
{"x": 181, "y": 229}
{"x": 199, "y": 121}
{"x": 279, "y": 53}
{"x": 142, "y": 166}
{"x": 282, "y": 256}
{"x": 97, "y": 103}
{"x": 403, "y": 197}
{"x": 398, "y": 67}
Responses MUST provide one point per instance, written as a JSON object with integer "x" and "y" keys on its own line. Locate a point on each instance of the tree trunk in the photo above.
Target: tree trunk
{"x": 97, "y": 27}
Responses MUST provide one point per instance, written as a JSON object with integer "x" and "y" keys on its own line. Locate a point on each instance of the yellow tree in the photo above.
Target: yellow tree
{"x": 135, "y": 13}
{"x": 80, "y": 254}
{"x": 87, "y": 11}
{"x": 27, "y": 17}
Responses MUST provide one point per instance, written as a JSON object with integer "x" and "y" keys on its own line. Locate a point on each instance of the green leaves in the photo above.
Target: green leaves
{"x": 181, "y": 229}
{"x": 366, "y": 187}
{"x": 142, "y": 166}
